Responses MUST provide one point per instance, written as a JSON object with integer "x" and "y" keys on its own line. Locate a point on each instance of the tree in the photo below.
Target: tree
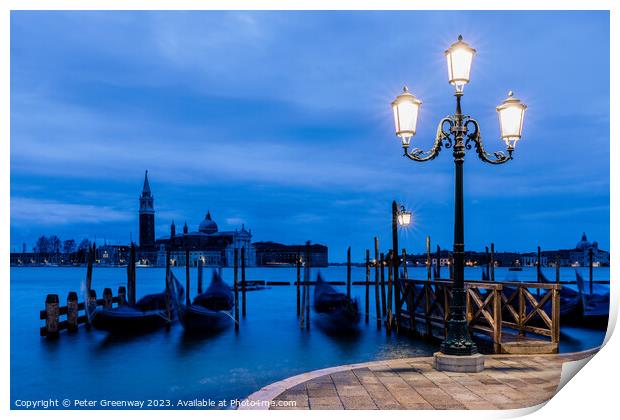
{"x": 43, "y": 245}
{"x": 68, "y": 246}
{"x": 84, "y": 245}
{"x": 54, "y": 244}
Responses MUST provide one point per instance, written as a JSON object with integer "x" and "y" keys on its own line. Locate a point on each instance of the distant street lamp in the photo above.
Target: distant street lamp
{"x": 459, "y": 132}
{"x": 400, "y": 217}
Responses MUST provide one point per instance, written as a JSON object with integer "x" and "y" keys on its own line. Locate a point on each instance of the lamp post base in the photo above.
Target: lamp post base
{"x": 468, "y": 364}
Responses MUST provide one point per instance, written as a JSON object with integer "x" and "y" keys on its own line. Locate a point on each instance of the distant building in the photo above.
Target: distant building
{"x": 208, "y": 244}
{"x": 578, "y": 256}
{"x": 274, "y": 254}
{"x": 147, "y": 217}
{"x": 214, "y": 248}
{"x": 112, "y": 254}
{"x": 530, "y": 259}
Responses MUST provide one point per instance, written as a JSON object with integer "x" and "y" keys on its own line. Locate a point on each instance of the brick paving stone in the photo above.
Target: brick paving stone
{"x": 358, "y": 402}
{"x": 324, "y": 402}
{"x": 507, "y": 382}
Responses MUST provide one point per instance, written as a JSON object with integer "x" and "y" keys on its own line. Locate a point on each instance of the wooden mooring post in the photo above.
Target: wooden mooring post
{"x": 304, "y": 321}
{"x": 488, "y": 259}
{"x": 236, "y": 286}
{"x": 492, "y": 261}
{"x": 168, "y": 289}
{"x": 92, "y": 301}
{"x": 367, "y": 301}
{"x": 89, "y": 267}
{"x": 72, "y": 312}
{"x": 107, "y": 298}
{"x": 591, "y": 258}
{"x": 52, "y": 310}
{"x": 349, "y": 272}
{"x": 405, "y": 271}
{"x": 122, "y": 296}
{"x": 199, "y": 274}
{"x": 298, "y": 284}
{"x": 390, "y": 265}
{"x": 243, "y": 283}
{"x": 377, "y": 303}
{"x": 302, "y": 318}
{"x": 428, "y": 258}
{"x": 438, "y": 263}
{"x": 131, "y": 275}
{"x": 307, "y": 277}
{"x": 187, "y": 290}
{"x": 383, "y": 296}
{"x": 538, "y": 266}
{"x": 557, "y": 269}
{"x": 538, "y": 271}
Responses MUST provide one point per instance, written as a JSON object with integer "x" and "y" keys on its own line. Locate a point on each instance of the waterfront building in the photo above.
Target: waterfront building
{"x": 530, "y": 259}
{"x": 276, "y": 254}
{"x": 112, "y": 255}
{"x": 215, "y": 248}
{"x": 579, "y": 256}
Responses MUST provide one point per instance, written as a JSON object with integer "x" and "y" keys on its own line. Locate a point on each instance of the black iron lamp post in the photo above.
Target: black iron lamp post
{"x": 459, "y": 132}
{"x": 403, "y": 218}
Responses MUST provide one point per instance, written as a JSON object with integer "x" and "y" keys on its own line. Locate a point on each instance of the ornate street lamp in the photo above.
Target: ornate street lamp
{"x": 459, "y": 132}
{"x": 403, "y": 216}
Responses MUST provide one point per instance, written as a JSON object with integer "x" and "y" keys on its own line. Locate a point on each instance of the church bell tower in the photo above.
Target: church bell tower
{"x": 147, "y": 216}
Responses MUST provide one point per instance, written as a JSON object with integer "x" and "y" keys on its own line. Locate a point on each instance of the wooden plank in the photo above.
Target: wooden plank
{"x": 555, "y": 317}
{"x": 497, "y": 313}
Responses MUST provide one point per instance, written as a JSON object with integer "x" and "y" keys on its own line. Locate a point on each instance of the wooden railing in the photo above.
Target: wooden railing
{"x": 492, "y": 308}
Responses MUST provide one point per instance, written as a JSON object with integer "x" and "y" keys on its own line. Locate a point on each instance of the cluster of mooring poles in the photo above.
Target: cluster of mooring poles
{"x": 388, "y": 287}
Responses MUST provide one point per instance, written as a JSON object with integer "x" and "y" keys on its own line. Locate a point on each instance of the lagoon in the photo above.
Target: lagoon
{"x": 171, "y": 365}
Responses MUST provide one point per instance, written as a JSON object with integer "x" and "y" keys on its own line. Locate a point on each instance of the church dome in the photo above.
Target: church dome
{"x": 583, "y": 243}
{"x": 207, "y": 225}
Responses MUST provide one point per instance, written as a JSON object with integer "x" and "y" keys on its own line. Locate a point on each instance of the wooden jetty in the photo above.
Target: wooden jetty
{"x": 507, "y": 314}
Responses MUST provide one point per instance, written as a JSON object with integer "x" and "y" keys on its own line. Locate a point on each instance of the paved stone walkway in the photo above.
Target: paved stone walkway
{"x": 508, "y": 381}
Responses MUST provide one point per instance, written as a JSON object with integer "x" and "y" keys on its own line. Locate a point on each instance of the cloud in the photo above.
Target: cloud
{"x": 560, "y": 213}
{"x": 29, "y": 211}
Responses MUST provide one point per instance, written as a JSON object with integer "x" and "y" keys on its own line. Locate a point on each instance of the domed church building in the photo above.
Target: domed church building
{"x": 214, "y": 247}
{"x": 580, "y": 256}
{"x": 208, "y": 244}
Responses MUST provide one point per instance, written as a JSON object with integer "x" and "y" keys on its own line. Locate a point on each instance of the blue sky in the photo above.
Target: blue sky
{"x": 282, "y": 121}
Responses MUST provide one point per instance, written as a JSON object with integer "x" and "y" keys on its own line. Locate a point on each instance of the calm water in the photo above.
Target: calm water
{"x": 171, "y": 365}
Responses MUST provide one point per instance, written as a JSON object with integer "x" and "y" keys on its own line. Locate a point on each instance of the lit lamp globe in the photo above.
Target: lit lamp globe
{"x": 511, "y": 113}
{"x": 459, "y": 57}
{"x": 406, "y": 107}
{"x": 404, "y": 218}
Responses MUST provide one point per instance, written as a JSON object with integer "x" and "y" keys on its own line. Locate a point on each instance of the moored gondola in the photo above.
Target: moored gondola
{"x": 570, "y": 303}
{"x": 335, "y": 311}
{"x": 150, "y": 313}
{"x": 209, "y": 311}
{"x": 595, "y": 306}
